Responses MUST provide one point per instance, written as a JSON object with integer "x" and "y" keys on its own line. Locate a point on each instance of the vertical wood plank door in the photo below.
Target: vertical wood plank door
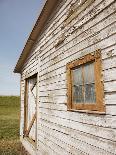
{"x": 31, "y": 110}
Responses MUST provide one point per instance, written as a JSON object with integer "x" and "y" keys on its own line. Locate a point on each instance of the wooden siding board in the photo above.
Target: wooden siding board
{"x": 56, "y": 99}
{"x": 44, "y": 149}
{"x": 54, "y": 23}
{"x": 78, "y": 142}
{"x": 44, "y": 54}
{"x": 109, "y": 75}
{"x": 110, "y": 87}
{"x": 55, "y": 18}
{"x": 104, "y": 14}
{"x": 111, "y": 109}
{"x": 75, "y": 134}
{"x": 105, "y": 121}
{"x": 58, "y": 149}
{"x": 105, "y": 133}
{"x": 79, "y": 47}
{"x": 68, "y": 148}
{"x": 109, "y": 52}
{"x": 53, "y": 106}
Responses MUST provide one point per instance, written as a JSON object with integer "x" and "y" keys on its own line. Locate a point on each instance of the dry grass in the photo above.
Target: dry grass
{"x": 10, "y": 147}
{"x": 9, "y": 125}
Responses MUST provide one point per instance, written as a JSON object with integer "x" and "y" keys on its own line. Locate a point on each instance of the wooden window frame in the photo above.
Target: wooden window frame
{"x": 25, "y": 130}
{"x": 99, "y": 91}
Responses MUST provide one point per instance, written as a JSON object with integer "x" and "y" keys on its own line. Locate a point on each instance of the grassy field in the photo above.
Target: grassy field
{"x": 9, "y": 125}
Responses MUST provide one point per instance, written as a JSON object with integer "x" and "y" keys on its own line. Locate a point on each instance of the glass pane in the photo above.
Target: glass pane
{"x": 90, "y": 93}
{"x": 77, "y": 76}
{"x": 83, "y": 91}
{"x": 77, "y": 94}
{"x": 89, "y": 83}
{"x": 89, "y": 73}
{"x": 77, "y": 85}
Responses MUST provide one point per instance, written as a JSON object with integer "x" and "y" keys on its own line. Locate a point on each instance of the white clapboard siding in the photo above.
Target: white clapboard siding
{"x": 77, "y": 55}
{"x": 85, "y": 34}
{"x": 105, "y": 133}
{"x": 110, "y": 86}
{"x": 60, "y": 131}
{"x": 85, "y": 28}
{"x": 50, "y": 87}
{"x": 60, "y": 150}
{"x": 75, "y": 134}
{"x": 101, "y": 121}
{"x": 44, "y": 149}
{"x": 111, "y": 109}
{"x": 110, "y": 98}
{"x": 110, "y": 63}
{"x": 61, "y": 23}
{"x": 55, "y": 24}
{"x": 78, "y": 141}
{"x": 32, "y": 60}
{"x": 53, "y": 106}
{"x": 52, "y": 144}
{"x": 109, "y": 52}
{"x": 110, "y": 74}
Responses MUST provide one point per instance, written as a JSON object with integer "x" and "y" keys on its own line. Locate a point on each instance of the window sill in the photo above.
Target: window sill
{"x": 87, "y": 111}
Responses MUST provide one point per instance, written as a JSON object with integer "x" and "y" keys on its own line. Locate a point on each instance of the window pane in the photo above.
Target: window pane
{"x": 90, "y": 93}
{"x": 77, "y": 94}
{"x": 77, "y": 85}
{"x": 83, "y": 91}
{"x": 77, "y": 76}
{"x": 89, "y": 86}
{"x": 89, "y": 73}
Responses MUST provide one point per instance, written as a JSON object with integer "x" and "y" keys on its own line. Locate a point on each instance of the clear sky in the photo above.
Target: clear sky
{"x": 17, "y": 18}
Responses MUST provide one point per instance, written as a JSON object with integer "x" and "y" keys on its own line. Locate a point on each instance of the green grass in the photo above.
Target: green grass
{"x": 9, "y": 125}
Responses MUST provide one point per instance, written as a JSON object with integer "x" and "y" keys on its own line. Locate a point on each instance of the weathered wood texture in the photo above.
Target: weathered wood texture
{"x": 63, "y": 40}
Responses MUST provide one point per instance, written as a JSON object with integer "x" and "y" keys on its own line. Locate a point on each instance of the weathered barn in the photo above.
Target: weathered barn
{"x": 68, "y": 80}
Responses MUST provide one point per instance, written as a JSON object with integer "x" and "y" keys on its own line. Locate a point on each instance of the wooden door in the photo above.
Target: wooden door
{"x": 30, "y": 108}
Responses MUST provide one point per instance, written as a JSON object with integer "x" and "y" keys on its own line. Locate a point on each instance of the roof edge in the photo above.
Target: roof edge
{"x": 45, "y": 13}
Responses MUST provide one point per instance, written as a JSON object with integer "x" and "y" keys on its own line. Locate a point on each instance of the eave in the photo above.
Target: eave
{"x": 45, "y": 13}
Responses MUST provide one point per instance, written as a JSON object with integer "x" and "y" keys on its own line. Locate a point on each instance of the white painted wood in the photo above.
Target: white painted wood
{"x": 90, "y": 119}
{"x": 111, "y": 98}
{"x": 109, "y": 63}
{"x": 32, "y": 83}
{"x": 86, "y": 26}
{"x": 110, "y": 86}
{"x": 55, "y": 99}
{"x": 60, "y": 131}
{"x": 53, "y": 106}
{"x": 109, "y": 52}
{"x": 105, "y": 133}
{"x": 28, "y": 146}
{"x": 43, "y": 149}
{"x": 111, "y": 109}
{"x": 73, "y": 140}
{"x": 68, "y": 150}
{"x": 110, "y": 74}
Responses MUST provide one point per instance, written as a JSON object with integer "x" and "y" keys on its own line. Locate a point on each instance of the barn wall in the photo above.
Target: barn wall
{"x": 63, "y": 40}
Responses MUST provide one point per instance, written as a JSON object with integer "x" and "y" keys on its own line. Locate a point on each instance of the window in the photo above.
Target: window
{"x": 30, "y": 108}
{"x": 85, "y": 85}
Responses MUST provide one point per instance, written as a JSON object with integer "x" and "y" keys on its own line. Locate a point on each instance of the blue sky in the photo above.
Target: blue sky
{"x": 17, "y": 18}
